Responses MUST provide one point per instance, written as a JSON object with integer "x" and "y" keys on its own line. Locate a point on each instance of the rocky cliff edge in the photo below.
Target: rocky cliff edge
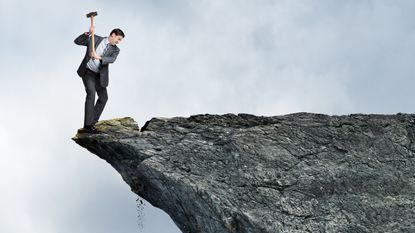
{"x": 248, "y": 174}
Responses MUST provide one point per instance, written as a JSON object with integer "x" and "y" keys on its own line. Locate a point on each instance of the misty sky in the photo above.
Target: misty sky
{"x": 179, "y": 57}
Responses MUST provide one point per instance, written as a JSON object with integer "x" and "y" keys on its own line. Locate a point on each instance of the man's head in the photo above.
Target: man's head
{"x": 116, "y": 36}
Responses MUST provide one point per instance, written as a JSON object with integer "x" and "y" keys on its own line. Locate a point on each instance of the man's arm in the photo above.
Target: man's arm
{"x": 83, "y": 39}
{"x": 109, "y": 59}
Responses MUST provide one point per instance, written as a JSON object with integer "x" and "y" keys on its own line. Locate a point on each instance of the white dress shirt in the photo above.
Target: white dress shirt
{"x": 94, "y": 64}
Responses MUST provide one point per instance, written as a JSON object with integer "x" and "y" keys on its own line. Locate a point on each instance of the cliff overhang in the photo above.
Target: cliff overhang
{"x": 242, "y": 173}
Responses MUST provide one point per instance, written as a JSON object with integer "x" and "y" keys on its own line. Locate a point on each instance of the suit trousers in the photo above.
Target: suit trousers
{"x": 93, "y": 110}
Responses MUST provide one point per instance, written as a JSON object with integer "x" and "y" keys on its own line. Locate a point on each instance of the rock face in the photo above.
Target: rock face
{"x": 294, "y": 173}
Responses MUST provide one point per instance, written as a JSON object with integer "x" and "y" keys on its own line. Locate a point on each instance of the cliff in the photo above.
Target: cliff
{"x": 249, "y": 174}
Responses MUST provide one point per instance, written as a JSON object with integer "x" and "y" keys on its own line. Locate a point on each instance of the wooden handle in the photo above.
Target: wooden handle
{"x": 92, "y": 38}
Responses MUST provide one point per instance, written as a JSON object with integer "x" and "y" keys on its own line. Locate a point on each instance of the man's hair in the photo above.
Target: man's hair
{"x": 118, "y": 32}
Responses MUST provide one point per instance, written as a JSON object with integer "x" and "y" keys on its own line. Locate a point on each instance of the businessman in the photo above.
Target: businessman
{"x": 94, "y": 72}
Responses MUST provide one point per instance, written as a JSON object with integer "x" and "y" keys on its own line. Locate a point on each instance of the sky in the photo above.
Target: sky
{"x": 179, "y": 58}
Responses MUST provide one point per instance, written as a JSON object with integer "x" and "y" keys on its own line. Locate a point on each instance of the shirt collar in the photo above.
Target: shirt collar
{"x": 106, "y": 41}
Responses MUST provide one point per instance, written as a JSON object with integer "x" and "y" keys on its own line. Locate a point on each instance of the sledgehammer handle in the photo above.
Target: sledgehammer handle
{"x": 91, "y": 15}
{"x": 92, "y": 38}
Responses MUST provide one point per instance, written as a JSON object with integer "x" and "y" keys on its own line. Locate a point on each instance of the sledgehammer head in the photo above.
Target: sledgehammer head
{"x": 91, "y": 14}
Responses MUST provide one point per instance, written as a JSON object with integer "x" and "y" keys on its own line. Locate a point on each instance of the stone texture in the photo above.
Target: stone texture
{"x": 293, "y": 173}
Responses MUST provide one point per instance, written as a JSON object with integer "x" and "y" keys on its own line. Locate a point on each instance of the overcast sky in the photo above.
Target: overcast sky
{"x": 179, "y": 57}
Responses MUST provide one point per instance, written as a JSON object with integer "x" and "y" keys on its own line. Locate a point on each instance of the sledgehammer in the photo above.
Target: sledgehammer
{"x": 92, "y": 15}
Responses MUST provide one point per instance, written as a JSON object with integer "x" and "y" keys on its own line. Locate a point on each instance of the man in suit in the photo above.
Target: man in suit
{"x": 94, "y": 72}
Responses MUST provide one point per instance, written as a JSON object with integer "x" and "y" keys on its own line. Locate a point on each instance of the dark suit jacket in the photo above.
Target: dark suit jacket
{"x": 108, "y": 57}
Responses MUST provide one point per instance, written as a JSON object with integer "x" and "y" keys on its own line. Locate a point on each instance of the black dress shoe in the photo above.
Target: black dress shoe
{"x": 88, "y": 129}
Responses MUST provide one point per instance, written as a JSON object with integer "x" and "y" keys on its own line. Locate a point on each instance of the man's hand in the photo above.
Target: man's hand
{"x": 91, "y": 31}
{"x": 95, "y": 56}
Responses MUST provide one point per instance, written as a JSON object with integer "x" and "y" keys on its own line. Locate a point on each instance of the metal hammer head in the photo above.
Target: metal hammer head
{"x": 91, "y": 14}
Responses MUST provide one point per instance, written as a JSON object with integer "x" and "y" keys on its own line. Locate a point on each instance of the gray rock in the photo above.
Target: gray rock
{"x": 294, "y": 173}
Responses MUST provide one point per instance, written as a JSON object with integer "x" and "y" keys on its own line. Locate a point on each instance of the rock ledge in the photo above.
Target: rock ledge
{"x": 241, "y": 173}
